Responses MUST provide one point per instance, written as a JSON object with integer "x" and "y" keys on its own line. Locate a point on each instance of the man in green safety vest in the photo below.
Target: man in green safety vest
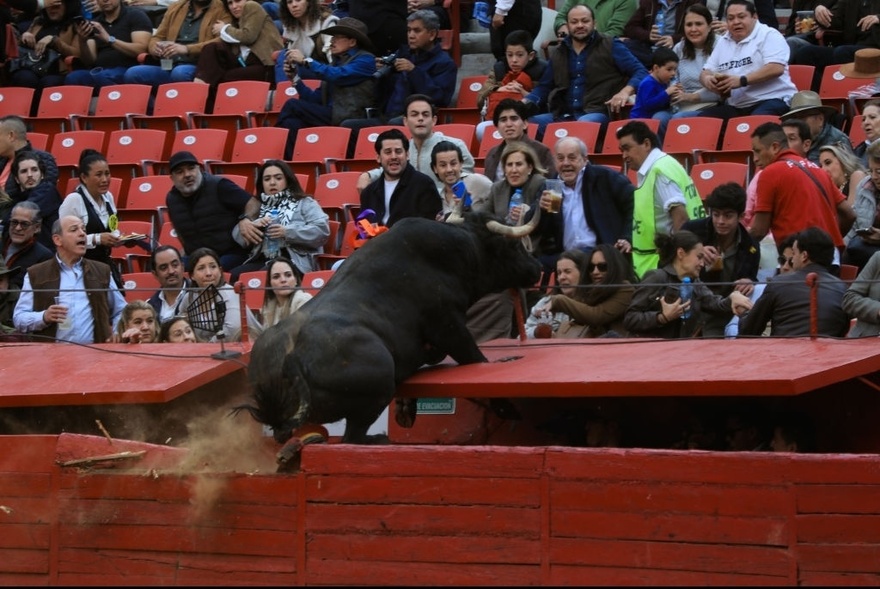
{"x": 665, "y": 196}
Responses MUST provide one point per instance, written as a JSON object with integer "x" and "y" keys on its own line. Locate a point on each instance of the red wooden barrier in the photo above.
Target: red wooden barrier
{"x": 439, "y": 515}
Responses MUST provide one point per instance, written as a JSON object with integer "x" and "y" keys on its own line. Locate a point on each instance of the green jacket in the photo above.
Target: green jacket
{"x": 645, "y": 256}
{"x": 610, "y": 15}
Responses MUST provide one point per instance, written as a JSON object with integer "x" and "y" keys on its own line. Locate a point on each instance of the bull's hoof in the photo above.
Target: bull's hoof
{"x": 288, "y": 458}
{"x": 405, "y": 412}
{"x": 377, "y": 439}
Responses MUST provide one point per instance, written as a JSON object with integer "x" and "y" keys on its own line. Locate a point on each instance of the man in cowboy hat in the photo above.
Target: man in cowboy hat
{"x": 858, "y": 21}
{"x": 348, "y": 87}
{"x": 807, "y": 106}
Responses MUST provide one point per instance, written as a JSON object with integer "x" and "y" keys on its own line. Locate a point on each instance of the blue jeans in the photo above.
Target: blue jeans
{"x": 154, "y": 75}
{"x": 97, "y": 77}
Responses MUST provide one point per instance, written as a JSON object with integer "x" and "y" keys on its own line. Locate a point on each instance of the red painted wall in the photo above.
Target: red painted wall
{"x": 442, "y": 515}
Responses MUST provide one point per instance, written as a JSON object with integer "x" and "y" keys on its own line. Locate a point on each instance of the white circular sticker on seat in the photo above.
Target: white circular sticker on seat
{"x": 230, "y": 92}
{"x": 114, "y": 95}
{"x": 146, "y": 187}
{"x": 707, "y": 174}
{"x": 255, "y": 283}
{"x": 743, "y": 128}
{"x": 312, "y": 138}
{"x": 250, "y": 138}
{"x": 331, "y": 184}
{"x": 125, "y": 140}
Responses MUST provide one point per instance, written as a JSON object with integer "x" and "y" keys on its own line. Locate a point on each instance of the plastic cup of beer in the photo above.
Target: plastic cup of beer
{"x": 68, "y": 320}
{"x": 554, "y": 187}
{"x": 166, "y": 63}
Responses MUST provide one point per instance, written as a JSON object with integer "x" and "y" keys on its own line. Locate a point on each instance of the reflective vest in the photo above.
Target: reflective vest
{"x": 645, "y": 256}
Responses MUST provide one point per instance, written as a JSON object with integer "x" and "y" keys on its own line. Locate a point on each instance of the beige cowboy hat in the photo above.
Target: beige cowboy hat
{"x": 866, "y": 64}
{"x": 804, "y": 102}
{"x": 351, "y": 27}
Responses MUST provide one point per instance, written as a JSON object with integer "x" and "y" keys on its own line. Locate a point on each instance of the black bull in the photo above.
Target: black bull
{"x": 397, "y": 303}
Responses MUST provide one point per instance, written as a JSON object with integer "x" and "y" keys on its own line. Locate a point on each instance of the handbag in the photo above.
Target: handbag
{"x": 28, "y": 60}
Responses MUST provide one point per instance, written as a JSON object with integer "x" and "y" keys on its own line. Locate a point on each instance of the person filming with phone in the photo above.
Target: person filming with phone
{"x": 110, "y": 44}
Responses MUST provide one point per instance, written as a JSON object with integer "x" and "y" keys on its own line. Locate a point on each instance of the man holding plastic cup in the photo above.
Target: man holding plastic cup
{"x": 69, "y": 298}
{"x": 597, "y": 202}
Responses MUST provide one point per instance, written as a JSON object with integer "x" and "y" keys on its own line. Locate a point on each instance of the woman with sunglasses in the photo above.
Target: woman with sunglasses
{"x": 657, "y": 309}
{"x": 597, "y": 306}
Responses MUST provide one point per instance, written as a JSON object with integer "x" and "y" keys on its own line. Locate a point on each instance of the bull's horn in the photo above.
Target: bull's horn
{"x": 456, "y": 217}
{"x": 518, "y": 231}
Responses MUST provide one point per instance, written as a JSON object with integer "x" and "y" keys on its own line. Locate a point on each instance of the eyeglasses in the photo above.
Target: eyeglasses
{"x": 782, "y": 261}
{"x": 874, "y": 171}
{"x": 22, "y": 224}
{"x": 602, "y": 266}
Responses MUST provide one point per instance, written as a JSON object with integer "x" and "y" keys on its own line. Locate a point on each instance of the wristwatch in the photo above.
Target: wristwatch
{"x": 743, "y": 81}
{"x": 111, "y": 40}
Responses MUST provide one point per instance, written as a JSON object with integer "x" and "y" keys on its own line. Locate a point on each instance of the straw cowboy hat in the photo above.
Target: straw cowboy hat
{"x": 807, "y": 102}
{"x": 351, "y": 27}
{"x": 866, "y": 64}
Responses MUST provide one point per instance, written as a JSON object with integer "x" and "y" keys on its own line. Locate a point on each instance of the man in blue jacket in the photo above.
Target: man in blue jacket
{"x": 420, "y": 67}
{"x": 597, "y": 205}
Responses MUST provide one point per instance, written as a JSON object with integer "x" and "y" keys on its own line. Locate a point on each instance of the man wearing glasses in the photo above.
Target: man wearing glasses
{"x": 69, "y": 298}
{"x": 20, "y": 246}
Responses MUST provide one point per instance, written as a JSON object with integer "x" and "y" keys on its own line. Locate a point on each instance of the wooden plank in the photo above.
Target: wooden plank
{"x": 564, "y": 575}
{"x": 25, "y": 454}
{"x": 454, "y": 461}
{"x": 838, "y": 469}
{"x": 29, "y": 536}
{"x": 218, "y": 569}
{"x": 195, "y": 512}
{"x": 812, "y": 579}
{"x": 23, "y": 484}
{"x": 67, "y": 373}
{"x": 381, "y": 573}
{"x": 29, "y": 510}
{"x": 17, "y": 580}
{"x": 174, "y": 537}
{"x": 433, "y": 490}
{"x": 22, "y": 561}
{"x": 701, "y": 528}
{"x": 611, "y": 464}
{"x": 439, "y": 520}
{"x": 417, "y": 549}
{"x": 106, "y": 567}
{"x": 174, "y": 488}
{"x": 839, "y": 558}
{"x": 841, "y": 499}
{"x": 669, "y": 497}
{"x": 839, "y": 529}
{"x": 767, "y": 561}
{"x": 157, "y": 565}
{"x": 533, "y": 367}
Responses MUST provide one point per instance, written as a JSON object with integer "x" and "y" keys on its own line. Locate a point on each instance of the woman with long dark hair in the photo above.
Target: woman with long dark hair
{"x": 657, "y": 309}
{"x": 597, "y": 306}
{"x": 302, "y": 227}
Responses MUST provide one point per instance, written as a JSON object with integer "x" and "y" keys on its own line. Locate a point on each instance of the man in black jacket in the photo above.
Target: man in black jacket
{"x": 730, "y": 255}
{"x": 597, "y": 204}
{"x": 204, "y": 209}
{"x": 401, "y": 191}
{"x": 13, "y": 141}
{"x": 21, "y": 248}
{"x": 785, "y": 302}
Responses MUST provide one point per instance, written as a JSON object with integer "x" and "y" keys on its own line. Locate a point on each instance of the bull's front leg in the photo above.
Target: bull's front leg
{"x": 452, "y": 336}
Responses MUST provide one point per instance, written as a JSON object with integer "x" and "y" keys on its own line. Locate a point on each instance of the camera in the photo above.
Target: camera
{"x": 387, "y": 66}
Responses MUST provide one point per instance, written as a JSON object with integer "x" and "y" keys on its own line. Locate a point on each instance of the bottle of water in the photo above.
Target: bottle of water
{"x": 271, "y": 247}
{"x": 515, "y": 201}
{"x": 661, "y": 21}
{"x": 686, "y": 293}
